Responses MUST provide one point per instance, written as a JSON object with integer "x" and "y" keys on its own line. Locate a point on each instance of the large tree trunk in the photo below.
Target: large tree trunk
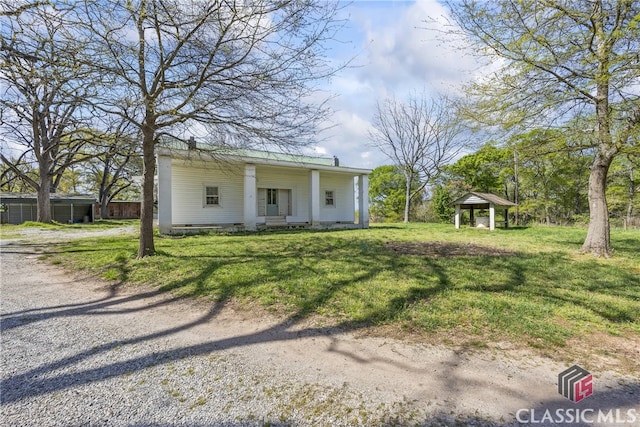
{"x": 104, "y": 191}
{"x": 598, "y": 239}
{"x": 43, "y": 212}
{"x": 146, "y": 215}
{"x": 104, "y": 206}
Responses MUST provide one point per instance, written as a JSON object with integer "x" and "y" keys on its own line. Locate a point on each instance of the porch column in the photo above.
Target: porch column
{"x": 457, "y": 217}
{"x": 363, "y": 201}
{"x": 492, "y": 217}
{"x": 314, "y": 197}
{"x": 250, "y": 203}
{"x": 165, "y": 221}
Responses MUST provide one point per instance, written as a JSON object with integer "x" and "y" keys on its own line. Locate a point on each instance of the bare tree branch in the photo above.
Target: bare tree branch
{"x": 419, "y": 137}
{"x": 45, "y": 93}
{"x": 245, "y": 70}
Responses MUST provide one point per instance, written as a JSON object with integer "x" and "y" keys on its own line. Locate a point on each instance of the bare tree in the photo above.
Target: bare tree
{"x": 13, "y": 182}
{"x": 557, "y": 60}
{"x": 44, "y": 87}
{"x": 419, "y": 136}
{"x": 113, "y": 171}
{"x": 244, "y": 70}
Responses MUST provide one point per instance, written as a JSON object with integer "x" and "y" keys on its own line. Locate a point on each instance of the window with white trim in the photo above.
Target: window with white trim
{"x": 211, "y": 196}
{"x": 329, "y": 198}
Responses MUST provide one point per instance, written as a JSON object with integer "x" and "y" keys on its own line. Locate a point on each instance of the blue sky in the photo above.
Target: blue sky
{"x": 394, "y": 54}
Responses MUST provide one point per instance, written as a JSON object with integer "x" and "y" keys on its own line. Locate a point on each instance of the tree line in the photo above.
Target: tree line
{"x": 548, "y": 182}
{"x": 562, "y": 77}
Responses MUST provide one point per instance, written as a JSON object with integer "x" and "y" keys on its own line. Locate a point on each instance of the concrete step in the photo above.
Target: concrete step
{"x": 276, "y": 220}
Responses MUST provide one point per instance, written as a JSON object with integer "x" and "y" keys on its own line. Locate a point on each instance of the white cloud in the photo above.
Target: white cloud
{"x": 397, "y": 55}
{"x": 320, "y": 150}
{"x": 349, "y": 140}
{"x": 406, "y": 51}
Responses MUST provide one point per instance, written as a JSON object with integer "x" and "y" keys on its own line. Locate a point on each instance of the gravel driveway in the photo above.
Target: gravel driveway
{"x": 77, "y": 351}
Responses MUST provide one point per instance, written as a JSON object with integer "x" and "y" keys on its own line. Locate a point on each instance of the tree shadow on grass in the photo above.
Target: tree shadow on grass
{"x": 518, "y": 294}
{"x": 626, "y": 246}
{"x": 515, "y": 228}
{"x": 42, "y": 248}
{"x": 433, "y": 276}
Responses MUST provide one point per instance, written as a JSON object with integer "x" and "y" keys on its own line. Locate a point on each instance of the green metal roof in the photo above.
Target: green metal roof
{"x": 247, "y": 152}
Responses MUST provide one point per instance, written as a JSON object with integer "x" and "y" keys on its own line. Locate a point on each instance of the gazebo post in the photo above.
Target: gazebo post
{"x": 492, "y": 216}
{"x": 472, "y": 219}
{"x": 506, "y": 218}
{"x": 457, "y": 217}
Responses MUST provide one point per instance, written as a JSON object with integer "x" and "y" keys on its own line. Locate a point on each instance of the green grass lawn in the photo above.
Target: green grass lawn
{"x": 528, "y": 287}
{"x": 100, "y": 224}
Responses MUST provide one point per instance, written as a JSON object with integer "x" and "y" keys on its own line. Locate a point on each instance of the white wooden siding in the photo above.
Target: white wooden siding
{"x": 344, "y": 199}
{"x": 190, "y": 178}
{"x": 187, "y": 187}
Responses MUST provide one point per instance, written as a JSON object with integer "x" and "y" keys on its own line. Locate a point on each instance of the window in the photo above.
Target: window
{"x": 272, "y": 196}
{"x": 211, "y": 196}
{"x": 329, "y": 198}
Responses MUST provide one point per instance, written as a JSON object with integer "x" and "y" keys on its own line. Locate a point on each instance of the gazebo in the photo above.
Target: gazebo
{"x": 473, "y": 200}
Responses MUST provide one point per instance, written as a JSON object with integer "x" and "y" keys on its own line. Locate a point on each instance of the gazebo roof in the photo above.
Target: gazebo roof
{"x": 475, "y": 198}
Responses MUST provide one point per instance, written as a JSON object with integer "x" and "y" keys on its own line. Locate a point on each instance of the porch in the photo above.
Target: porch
{"x": 257, "y": 193}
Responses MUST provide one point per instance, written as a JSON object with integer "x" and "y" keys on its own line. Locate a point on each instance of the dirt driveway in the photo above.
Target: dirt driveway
{"x": 78, "y": 351}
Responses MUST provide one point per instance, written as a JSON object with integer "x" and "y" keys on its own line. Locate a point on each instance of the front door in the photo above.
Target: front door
{"x": 272, "y": 202}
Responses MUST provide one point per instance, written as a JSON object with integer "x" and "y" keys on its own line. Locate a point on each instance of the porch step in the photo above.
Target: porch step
{"x": 275, "y": 220}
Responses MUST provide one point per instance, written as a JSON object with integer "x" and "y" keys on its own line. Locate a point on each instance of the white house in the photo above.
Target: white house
{"x": 247, "y": 189}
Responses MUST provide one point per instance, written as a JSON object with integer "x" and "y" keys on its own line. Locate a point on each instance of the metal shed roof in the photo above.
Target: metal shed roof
{"x": 55, "y": 198}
